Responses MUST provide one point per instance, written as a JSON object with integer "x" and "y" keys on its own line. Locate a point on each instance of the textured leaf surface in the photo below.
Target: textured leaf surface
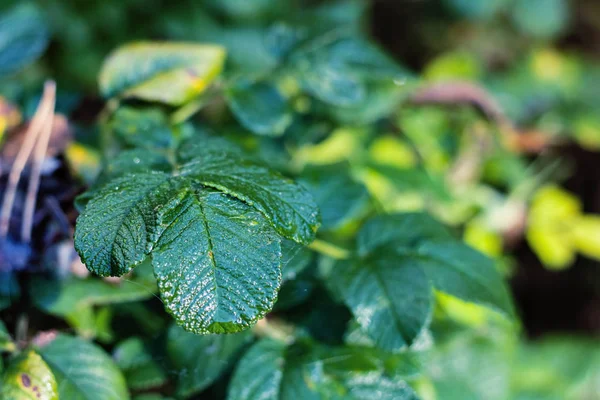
{"x": 200, "y": 360}
{"x": 171, "y": 73}
{"x": 260, "y": 107}
{"x": 23, "y": 37}
{"x": 112, "y": 234}
{"x": 217, "y": 261}
{"x": 389, "y": 295}
{"x": 83, "y": 371}
{"x": 272, "y": 371}
{"x": 460, "y": 271}
{"x": 28, "y": 378}
{"x": 288, "y": 206}
{"x": 143, "y": 128}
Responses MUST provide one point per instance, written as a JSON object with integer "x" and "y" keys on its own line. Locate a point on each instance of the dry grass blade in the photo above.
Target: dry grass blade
{"x": 45, "y": 109}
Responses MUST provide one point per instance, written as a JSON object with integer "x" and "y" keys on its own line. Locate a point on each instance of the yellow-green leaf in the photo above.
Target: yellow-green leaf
{"x": 29, "y": 378}
{"x": 171, "y": 73}
{"x": 586, "y": 235}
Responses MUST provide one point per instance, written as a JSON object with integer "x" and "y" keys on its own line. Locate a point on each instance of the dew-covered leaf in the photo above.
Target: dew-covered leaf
{"x": 23, "y": 37}
{"x": 171, "y": 73}
{"x": 289, "y": 207}
{"x": 83, "y": 370}
{"x": 200, "y": 360}
{"x": 28, "y": 378}
{"x": 112, "y": 235}
{"x": 388, "y": 294}
{"x": 217, "y": 261}
{"x": 260, "y": 107}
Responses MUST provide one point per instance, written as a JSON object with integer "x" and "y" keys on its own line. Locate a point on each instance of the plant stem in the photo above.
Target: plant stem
{"x": 329, "y": 249}
{"x": 183, "y": 113}
{"x": 274, "y": 330}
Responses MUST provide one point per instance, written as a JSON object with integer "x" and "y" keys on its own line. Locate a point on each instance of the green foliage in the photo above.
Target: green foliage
{"x": 28, "y": 378}
{"x": 23, "y": 37}
{"x": 274, "y": 210}
{"x": 83, "y": 371}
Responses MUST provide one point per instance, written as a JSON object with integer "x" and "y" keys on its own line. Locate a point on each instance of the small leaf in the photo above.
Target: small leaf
{"x": 83, "y": 371}
{"x": 111, "y": 235}
{"x": 23, "y": 37}
{"x": 28, "y": 378}
{"x": 171, "y": 73}
{"x": 260, "y": 107}
{"x": 389, "y": 295}
{"x": 200, "y": 360}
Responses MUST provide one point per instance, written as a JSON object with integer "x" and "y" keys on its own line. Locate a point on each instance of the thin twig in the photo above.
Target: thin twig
{"x": 22, "y": 157}
{"x": 36, "y": 167}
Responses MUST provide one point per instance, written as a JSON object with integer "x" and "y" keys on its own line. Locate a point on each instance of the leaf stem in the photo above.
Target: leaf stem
{"x": 329, "y": 249}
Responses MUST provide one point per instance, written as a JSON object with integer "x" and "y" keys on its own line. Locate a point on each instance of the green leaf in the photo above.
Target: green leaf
{"x": 209, "y": 249}
{"x": 200, "y": 360}
{"x": 339, "y": 197}
{"x": 23, "y": 37}
{"x": 289, "y": 207}
{"x": 62, "y": 297}
{"x": 112, "y": 235}
{"x": 171, "y": 73}
{"x": 28, "y": 378}
{"x": 260, "y": 107}
{"x": 401, "y": 230}
{"x": 142, "y": 128}
{"x": 270, "y": 371}
{"x": 463, "y": 272}
{"x": 390, "y": 297}
{"x": 141, "y": 371}
{"x": 217, "y": 262}
{"x": 83, "y": 371}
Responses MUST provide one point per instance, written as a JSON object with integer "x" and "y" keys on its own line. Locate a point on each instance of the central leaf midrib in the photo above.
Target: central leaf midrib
{"x": 211, "y": 251}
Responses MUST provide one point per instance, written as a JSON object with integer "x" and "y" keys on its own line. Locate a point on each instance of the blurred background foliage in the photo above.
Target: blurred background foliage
{"x": 484, "y": 113}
